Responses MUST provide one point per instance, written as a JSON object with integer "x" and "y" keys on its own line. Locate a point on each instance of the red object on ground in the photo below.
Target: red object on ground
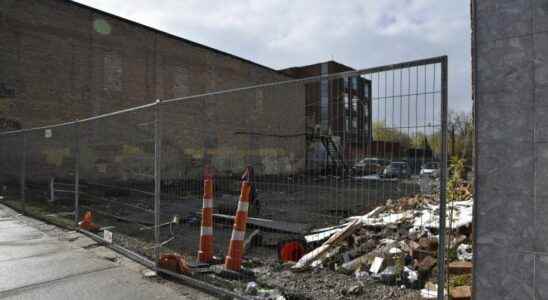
{"x": 290, "y": 250}
{"x": 87, "y": 222}
{"x": 174, "y": 263}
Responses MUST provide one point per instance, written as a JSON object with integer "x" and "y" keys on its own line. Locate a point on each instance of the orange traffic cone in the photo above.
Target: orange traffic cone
{"x": 205, "y": 253}
{"x": 233, "y": 260}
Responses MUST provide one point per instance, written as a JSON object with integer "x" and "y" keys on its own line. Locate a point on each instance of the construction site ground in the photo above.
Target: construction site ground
{"x": 315, "y": 204}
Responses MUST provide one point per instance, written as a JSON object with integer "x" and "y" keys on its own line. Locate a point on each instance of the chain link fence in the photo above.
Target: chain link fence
{"x": 324, "y": 151}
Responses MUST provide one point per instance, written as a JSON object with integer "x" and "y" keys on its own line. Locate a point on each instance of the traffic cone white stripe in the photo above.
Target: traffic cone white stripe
{"x": 238, "y": 235}
{"x": 243, "y": 206}
{"x": 208, "y": 203}
{"x": 206, "y": 231}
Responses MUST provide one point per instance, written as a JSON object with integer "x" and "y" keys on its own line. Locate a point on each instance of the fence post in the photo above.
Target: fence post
{"x": 157, "y": 180}
{"x": 443, "y": 182}
{"x": 77, "y": 178}
{"x": 23, "y": 178}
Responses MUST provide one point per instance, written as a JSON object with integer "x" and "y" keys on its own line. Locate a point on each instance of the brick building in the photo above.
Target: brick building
{"x": 60, "y": 54}
{"x": 63, "y": 61}
{"x": 336, "y": 108}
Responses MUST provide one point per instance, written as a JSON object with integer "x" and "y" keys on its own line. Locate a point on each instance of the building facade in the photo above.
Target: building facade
{"x": 336, "y": 108}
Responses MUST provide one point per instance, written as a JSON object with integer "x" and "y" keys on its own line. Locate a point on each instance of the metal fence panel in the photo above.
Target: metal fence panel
{"x": 50, "y": 167}
{"x": 322, "y": 150}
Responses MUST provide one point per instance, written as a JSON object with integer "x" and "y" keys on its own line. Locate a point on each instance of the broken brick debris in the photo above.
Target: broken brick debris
{"x": 461, "y": 293}
{"x": 426, "y": 264}
{"x": 460, "y": 267}
{"x": 395, "y": 243}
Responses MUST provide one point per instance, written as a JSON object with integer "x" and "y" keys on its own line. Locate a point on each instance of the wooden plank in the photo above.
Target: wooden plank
{"x": 326, "y": 247}
{"x": 249, "y": 239}
{"x": 297, "y": 228}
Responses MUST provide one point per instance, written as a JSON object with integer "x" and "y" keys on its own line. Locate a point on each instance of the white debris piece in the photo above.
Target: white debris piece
{"x": 310, "y": 257}
{"x": 148, "y": 273}
{"x": 464, "y": 252}
{"x": 386, "y": 242}
{"x": 376, "y": 265}
{"x": 412, "y": 274}
{"x": 365, "y": 218}
{"x": 329, "y": 254}
{"x": 320, "y": 236}
{"x": 461, "y": 211}
{"x": 431, "y": 292}
{"x": 425, "y": 217}
{"x": 394, "y": 251}
{"x": 251, "y": 288}
{"x": 387, "y": 218}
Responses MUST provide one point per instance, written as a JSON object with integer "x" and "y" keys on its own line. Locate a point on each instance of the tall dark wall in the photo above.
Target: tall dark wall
{"x": 62, "y": 61}
{"x": 511, "y": 113}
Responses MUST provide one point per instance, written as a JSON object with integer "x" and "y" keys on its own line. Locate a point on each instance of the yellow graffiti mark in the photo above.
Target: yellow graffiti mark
{"x": 4, "y": 105}
{"x": 55, "y": 156}
{"x": 198, "y": 153}
{"x": 130, "y": 150}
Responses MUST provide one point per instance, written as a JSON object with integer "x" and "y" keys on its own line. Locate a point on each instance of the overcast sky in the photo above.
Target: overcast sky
{"x": 284, "y": 33}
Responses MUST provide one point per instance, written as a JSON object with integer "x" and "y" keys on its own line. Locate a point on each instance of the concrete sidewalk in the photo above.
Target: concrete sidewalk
{"x": 41, "y": 261}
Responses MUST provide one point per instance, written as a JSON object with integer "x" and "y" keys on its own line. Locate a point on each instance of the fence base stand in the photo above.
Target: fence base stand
{"x": 125, "y": 252}
{"x": 202, "y": 285}
{"x": 243, "y": 274}
{"x": 195, "y": 283}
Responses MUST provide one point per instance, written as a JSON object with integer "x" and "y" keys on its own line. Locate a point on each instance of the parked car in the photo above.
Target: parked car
{"x": 397, "y": 169}
{"x": 368, "y": 166}
{"x": 430, "y": 168}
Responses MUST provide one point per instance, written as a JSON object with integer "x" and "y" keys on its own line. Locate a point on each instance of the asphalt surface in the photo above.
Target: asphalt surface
{"x": 41, "y": 261}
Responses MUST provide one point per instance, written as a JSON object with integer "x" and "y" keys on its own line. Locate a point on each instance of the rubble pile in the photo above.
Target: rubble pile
{"x": 395, "y": 244}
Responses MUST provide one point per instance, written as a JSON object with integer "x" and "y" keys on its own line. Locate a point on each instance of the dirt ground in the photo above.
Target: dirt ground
{"x": 327, "y": 284}
{"x": 318, "y": 203}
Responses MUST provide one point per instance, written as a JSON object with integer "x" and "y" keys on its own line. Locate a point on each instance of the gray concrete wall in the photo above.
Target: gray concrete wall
{"x": 511, "y": 107}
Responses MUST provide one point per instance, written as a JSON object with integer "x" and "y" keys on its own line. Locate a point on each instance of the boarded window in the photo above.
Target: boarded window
{"x": 113, "y": 72}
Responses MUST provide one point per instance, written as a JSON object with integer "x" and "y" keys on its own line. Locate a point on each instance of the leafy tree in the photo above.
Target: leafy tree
{"x": 384, "y": 133}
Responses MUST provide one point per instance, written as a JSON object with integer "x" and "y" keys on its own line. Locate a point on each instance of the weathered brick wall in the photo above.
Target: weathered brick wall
{"x": 511, "y": 102}
{"x": 62, "y": 61}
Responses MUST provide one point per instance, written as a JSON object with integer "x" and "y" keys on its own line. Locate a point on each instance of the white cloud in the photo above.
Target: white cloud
{"x": 283, "y": 33}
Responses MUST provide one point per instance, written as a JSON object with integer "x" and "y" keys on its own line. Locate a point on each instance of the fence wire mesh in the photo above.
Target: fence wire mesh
{"x": 117, "y": 177}
{"x": 324, "y": 151}
{"x": 50, "y": 169}
{"x": 12, "y": 151}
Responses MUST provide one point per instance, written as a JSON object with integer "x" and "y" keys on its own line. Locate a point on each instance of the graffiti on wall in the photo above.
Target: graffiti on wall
{"x": 9, "y": 124}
